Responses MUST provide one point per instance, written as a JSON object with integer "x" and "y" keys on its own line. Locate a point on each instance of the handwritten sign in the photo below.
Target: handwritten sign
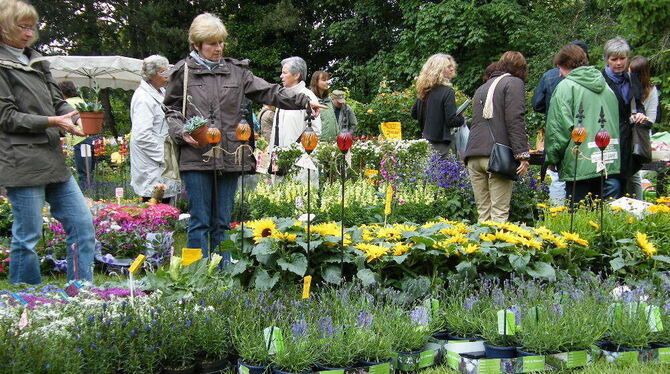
{"x": 190, "y": 255}
{"x": 306, "y": 285}
{"x": 392, "y": 130}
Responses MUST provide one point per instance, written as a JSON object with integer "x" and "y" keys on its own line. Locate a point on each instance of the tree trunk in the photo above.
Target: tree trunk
{"x": 110, "y": 122}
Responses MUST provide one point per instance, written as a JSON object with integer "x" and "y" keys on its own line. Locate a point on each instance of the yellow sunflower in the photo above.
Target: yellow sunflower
{"x": 284, "y": 236}
{"x": 647, "y": 247}
{"x": 327, "y": 229}
{"x": 574, "y": 237}
{"x": 262, "y": 228}
{"x": 400, "y": 249}
{"x": 659, "y": 208}
{"x": 558, "y": 209}
{"x": 372, "y": 251}
{"x": 487, "y": 237}
{"x": 594, "y": 225}
{"x": 471, "y": 248}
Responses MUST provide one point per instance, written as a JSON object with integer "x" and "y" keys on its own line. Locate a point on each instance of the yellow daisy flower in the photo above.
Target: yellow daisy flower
{"x": 574, "y": 237}
{"x": 542, "y": 206}
{"x": 558, "y": 209}
{"x": 372, "y": 251}
{"x": 659, "y": 208}
{"x": 400, "y": 249}
{"x": 594, "y": 225}
{"x": 647, "y": 247}
{"x": 471, "y": 248}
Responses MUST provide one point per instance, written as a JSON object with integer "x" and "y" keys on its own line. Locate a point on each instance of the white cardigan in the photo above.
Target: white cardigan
{"x": 292, "y": 122}
{"x": 149, "y": 129}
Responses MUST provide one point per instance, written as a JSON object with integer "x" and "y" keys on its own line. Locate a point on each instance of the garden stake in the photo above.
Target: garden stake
{"x": 243, "y": 133}
{"x": 309, "y": 140}
{"x": 602, "y": 141}
{"x": 344, "y": 142}
{"x": 215, "y": 213}
{"x": 578, "y": 137}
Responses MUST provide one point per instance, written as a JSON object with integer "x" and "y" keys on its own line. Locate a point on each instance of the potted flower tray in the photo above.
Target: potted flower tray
{"x": 413, "y": 361}
{"x": 569, "y": 360}
{"x": 469, "y": 358}
{"x": 381, "y": 368}
{"x": 611, "y": 353}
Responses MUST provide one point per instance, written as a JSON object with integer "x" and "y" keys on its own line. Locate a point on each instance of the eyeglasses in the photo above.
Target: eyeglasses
{"x": 27, "y": 28}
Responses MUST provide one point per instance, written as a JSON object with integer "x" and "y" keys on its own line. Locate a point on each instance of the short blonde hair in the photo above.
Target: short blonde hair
{"x": 11, "y": 13}
{"x": 432, "y": 73}
{"x": 204, "y": 27}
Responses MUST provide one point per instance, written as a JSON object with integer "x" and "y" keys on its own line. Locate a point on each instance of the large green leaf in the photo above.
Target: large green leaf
{"x": 237, "y": 268}
{"x": 519, "y": 262}
{"x": 665, "y": 259}
{"x": 542, "y": 270}
{"x": 332, "y": 274}
{"x": 297, "y": 263}
{"x": 617, "y": 263}
{"x": 366, "y": 276}
{"x": 264, "y": 248}
{"x": 263, "y": 281}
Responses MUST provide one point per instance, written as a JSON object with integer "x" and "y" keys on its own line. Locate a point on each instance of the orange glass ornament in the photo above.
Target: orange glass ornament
{"x": 243, "y": 131}
{"x": 579, "y": 135}
{"x": 309, "y": 139}
{"x": 213, "y": 135}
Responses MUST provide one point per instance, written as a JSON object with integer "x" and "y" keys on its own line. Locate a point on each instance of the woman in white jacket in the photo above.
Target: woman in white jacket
{"x": 288, "y": 125}
{"x": 148, "y": 132}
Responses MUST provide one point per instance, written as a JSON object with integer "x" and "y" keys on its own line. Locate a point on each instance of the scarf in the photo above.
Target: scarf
{"x": 211, "y": 65}
{"x": 621, "y": 82}
{"x": 17, "y": 52}
{"x": 487, "y": 113}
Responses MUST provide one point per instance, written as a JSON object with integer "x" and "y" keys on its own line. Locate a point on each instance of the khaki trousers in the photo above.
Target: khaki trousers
{"x": 492, "y": 193}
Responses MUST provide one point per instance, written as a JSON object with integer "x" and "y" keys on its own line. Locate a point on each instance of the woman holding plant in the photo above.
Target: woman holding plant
{"x": 33, "y": 115}
{"x": 148, "y": 132}
{"x": 207, "y": 87}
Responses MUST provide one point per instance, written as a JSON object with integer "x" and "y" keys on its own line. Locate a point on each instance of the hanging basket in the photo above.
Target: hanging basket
{"x": 92, "y": 122}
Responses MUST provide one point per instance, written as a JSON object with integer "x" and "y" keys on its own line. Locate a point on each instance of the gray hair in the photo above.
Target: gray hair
{"x": 151, "y": 64}
{"x": 616, "y": 47}
{"x": 295, "y": 64}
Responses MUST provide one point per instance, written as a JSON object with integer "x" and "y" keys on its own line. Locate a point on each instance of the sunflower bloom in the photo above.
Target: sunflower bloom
{"x": 574, "y": 237}
{"x": 471, "y": 248}
{"x": 327, "y": 229}
{"x": 400, "y": 249}
{"x": 262, "y": 228}
{"x": 372, "y": 251}
{"x": 659, "y": 208}
{"x": 647, "y": 247}
{"x": 558, "y": 209}
{"x": 594, "y": 225}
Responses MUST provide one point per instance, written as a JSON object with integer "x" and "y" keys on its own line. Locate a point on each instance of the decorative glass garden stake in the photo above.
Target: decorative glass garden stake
{"x": 215, "y": 214}
{"x": 602, "y": 141}
{"x": 309, "y": 140}
{"x": 578, "y": 137}
{"x": 243, "y": 133}
{"x": 344, "y": 142}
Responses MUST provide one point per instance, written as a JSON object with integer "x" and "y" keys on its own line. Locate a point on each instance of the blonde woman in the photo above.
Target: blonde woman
{"x": 435, "y": 107}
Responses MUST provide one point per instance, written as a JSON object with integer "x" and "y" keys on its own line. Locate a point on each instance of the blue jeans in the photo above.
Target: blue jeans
{"x": 67, "y": 206}
{"x": 611, "y": 189}
{"x": 80, "y": 162}
{"x": 203, "y": 231}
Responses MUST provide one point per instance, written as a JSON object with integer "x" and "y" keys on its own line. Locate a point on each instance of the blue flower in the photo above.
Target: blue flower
{"x": 326, "y": 326}
{"x": 299, "y": 328}
{"x": 364, "y": 319}
{"x": 557, "y": 309}
{"x": 419, "y": 315}
{"x": 469, "y": 303}
{"x": 91, "y": 319}
{"x": 188, "y": 323}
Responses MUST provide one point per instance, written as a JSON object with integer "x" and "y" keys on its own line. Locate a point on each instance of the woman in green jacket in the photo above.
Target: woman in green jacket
{"x": 583, "y": 88}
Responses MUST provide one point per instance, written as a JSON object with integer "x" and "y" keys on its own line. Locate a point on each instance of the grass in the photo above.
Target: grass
{"x": 596, "y": 368}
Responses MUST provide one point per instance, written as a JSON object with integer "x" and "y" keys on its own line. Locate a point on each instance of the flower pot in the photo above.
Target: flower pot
{"x": 493, "y": 351}
{"x": 92, "y": 122}
{"x": 415, "y": 360}
{"x": 384, "y": 367}
{"x": 188, "y": 370}
{"x": 327, "y": 368}
{"x": 613, "y": 352}
{"x": 200, "y": 135}
{"x": 214, "y": 367}
{"x": 659, "y": 345}
{"x": 277, "y": 371}
{"x": 522, "y": 353}
{"x": 243, "y": 368}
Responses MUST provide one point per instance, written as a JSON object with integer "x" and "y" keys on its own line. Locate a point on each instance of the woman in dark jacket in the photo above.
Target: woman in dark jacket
{"x": 33, "y": 114}
{"x": 435, "y": 108}
{"x": 628, "y": 91}
{"x": 215, "y": 90}
{"x": 498, "y": 115}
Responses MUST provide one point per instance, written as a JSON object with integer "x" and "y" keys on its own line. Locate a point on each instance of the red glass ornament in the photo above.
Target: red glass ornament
{"x": 344, "y": 141}
{"x": 602, "y": 139}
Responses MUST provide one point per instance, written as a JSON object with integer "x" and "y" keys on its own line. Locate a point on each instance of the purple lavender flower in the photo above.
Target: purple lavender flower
{"x": 517, "y": 313}
{"x": 447, "y": 172}
{"x": 557, "y": 309}
{"x": 419, "y": 315}
{"x": 364, "y": 319}
{"x": 326, "y": 326}
{"x": 498, "y": 297}
{"x": 469, "y": 303}
{"x": 299, "y": 328}
{"x": 666, "y": 307}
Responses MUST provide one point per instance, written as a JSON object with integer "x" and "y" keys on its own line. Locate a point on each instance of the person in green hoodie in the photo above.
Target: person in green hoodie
{"x": 584, "y": 87}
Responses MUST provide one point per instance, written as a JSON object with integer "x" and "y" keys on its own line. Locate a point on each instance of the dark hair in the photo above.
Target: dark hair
{"x": 640, "y": 66}
{"x": 68, "y": 88}
{"x": 314, "y": 84}
{"x": 571, "y": 57}
{"x": 514, "y": 63}
{"x": 493, "y": 67}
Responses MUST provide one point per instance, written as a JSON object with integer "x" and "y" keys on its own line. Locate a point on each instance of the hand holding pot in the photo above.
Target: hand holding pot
{"x": 65, "y": 123}
{"x": 189, "y": 139}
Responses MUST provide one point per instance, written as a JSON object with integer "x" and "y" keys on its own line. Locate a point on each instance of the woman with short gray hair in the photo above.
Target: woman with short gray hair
{"x": 288, "y": 125}
{"x": 148, "y": 132}
{"x": 628, "y": 91}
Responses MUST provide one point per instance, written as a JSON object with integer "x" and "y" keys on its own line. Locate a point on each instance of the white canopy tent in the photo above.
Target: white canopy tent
{"x": 103, "y": 71}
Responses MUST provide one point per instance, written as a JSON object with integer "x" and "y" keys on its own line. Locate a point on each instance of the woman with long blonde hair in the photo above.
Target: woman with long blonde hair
{"x": 435, "y": 106}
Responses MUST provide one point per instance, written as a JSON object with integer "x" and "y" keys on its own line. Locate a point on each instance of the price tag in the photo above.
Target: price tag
{"x": 137, "y": 264}
{"x": 389, "y": 200}
{"x": 506, "y": 322}
{"x": 118, "y": 191}
{"x": 274, "y": 339}
{"x": 306, "y": 285}
{"x": 23, "y": 321}
{"x": 190, "y": 255}
{"x": 654, "y": 318}
{"x": 20, "y": 299}
{"x": 85, "y": 150}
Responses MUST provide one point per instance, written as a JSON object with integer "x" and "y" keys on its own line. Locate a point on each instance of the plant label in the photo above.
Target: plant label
{"x": 426, "y": 359}
{"x": 392, "y": 130}
{"x": 489, "y": 366}
{"x": 389, "y": 200}
{"x": 347, "y": 158}
{"x": 85, "y": 150}
{"x": 77, "y": 284}
{"x": 433, "y": 305}
{"x": 274, "y": 339}
{"x": 341, "y": 371}
{"x": 242, "y": 369}
{"x": 23, "y": 321}
{"x": 20, "y": 298}
{"x": 506, "y": 322}
{"x": 118, "y": 192}
{"x": 654, "y": 318}
{"x": 190, "y": 255}
{"x": 664, "y": 354}
{"x": 63, "y": 296}
{"x": 380, "y": 369}
{"x": 137, "y": 264}
{"x": 577, "y": 359}
{"x": 534, "y": 313}
{"x": 306, "y": 285}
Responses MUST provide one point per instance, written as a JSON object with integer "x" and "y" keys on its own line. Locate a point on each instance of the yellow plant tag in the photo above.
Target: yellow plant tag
{"x": 389, "y": 200}
{"x": 306, "y": 285}
{"x": 392, "y": 130}
{"x": 137, "y": 264}
{"x": 190, "y": 255}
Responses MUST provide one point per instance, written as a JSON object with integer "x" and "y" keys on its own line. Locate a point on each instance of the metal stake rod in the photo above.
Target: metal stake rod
{"x": 342, "y": 214}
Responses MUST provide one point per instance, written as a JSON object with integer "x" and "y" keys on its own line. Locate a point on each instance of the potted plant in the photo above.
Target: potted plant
{"x": 410, "y": 330}
{"x": 211, "y": 338}
{"x": 247, "y": 321}
{"x": 177, "y": 350}
{"x": 301, "y": 347}
{"x": 197, "y": 128}
{"x": 91, "y": 114}
{"x": 629, "y": 333}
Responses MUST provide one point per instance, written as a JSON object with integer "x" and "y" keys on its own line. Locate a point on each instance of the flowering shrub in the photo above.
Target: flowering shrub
{"x": 6, "y": 218}
{"x": 4, "y": 260}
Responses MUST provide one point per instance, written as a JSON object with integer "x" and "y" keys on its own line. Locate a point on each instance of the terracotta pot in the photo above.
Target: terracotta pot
{"x": 200, "y": 135}
{"x": 92, "y": 122}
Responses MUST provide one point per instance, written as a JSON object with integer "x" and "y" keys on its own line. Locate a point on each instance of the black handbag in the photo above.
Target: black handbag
{"x": 642, "y": 142}
{"x": 502, "y": 161}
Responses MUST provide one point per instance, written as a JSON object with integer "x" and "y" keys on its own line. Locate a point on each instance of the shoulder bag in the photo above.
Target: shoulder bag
{"x": 501, "y": 161}
{"x": 641, "y": 138}
{"x": 170, "y": 147}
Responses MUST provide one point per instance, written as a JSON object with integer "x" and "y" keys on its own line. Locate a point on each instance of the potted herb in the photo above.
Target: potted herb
{"x": 197, "y": 128}
{"x": 250, "y": 317}
{"x": 301, "y": 347}
{"x": 211, "y": 337}
{"x": 91, "y": 114}
{"x": 177, "y": 350}
{"x": 410, "y": 331}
